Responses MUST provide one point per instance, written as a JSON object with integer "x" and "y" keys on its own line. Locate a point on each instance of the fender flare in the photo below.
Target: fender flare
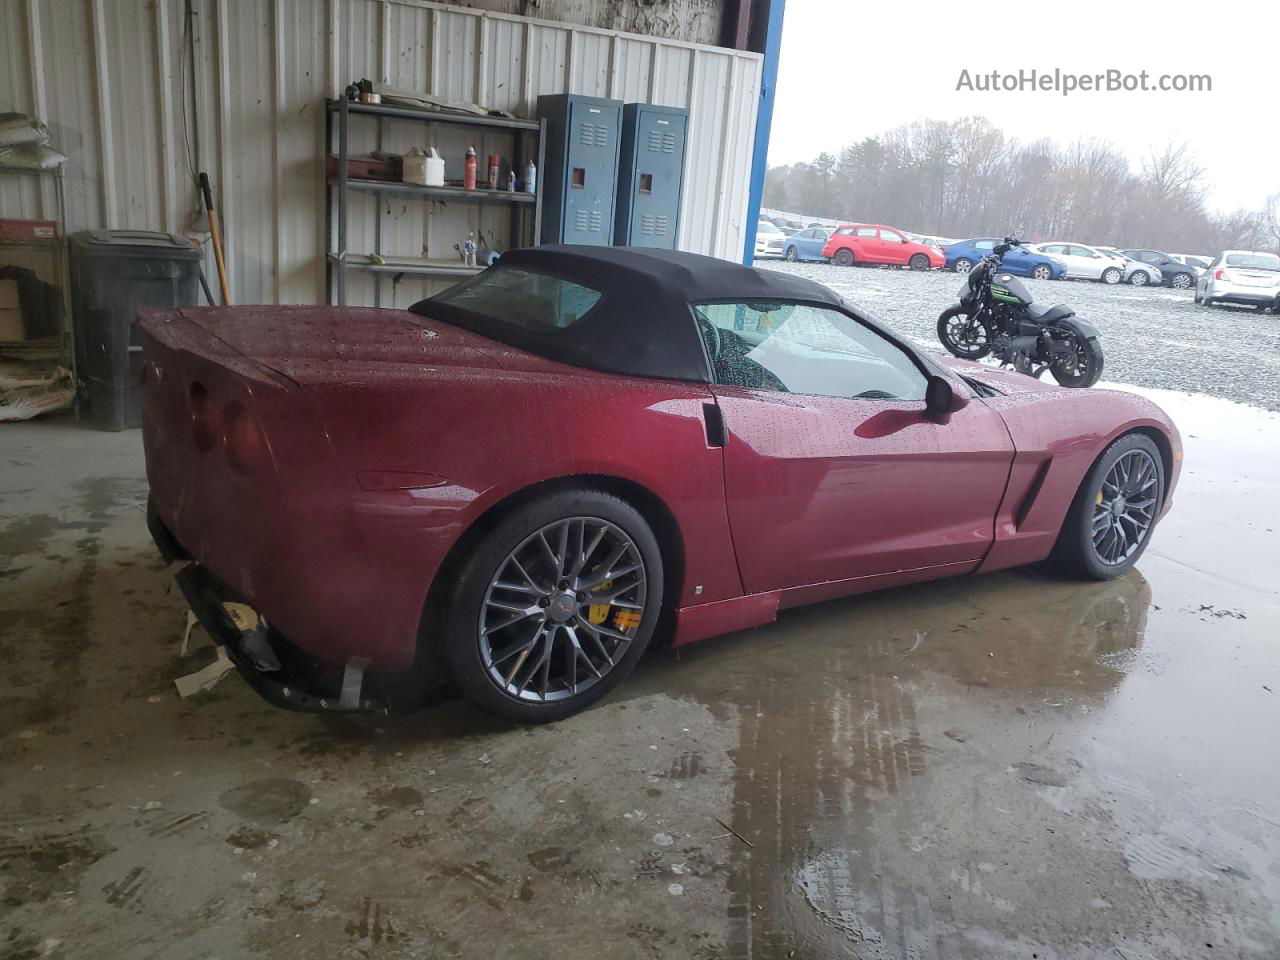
{"x": 1080, "y": 327}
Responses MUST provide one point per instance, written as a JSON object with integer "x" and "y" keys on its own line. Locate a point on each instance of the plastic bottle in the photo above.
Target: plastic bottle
{"x": 469, "y": 170}
{"x": 530, "y": 178}
{"x": 495, "y": 163}
{"x": 511, "y": 181}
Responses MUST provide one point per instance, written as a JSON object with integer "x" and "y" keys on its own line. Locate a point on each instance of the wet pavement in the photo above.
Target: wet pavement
{"x": 998, "y": 767}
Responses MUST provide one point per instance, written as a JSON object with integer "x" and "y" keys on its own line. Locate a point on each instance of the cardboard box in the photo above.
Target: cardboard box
{"x": 9, "y": 295}
{"x": 11, "y": 324}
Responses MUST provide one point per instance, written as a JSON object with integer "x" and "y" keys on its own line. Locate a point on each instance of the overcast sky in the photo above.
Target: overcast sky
{"x": 852, "y": 68}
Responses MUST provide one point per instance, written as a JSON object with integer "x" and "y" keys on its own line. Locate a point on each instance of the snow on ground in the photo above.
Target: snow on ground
{"x": 1152, "y": 336}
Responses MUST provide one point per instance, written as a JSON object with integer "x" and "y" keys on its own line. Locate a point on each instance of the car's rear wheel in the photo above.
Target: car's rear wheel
{"x": 1181, "y": 281}
{"x": 1042, "y": 272}
{"x": 963, "y": 265}
{"x": 1110, "y": 520}
{"x": 919, "y": 262}
{"x": 844, "y": 257}
{"x": 1112, "y": 275}
{"x": 1139, "y": 278}
{"x": 555, "y": 606}
{"x": 792, "y": 256}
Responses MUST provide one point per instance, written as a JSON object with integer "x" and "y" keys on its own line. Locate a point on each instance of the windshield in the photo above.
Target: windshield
{"x": 766, "y": 227}
{"x": 531, "y": 301}
{"x": 1258, "y": 261}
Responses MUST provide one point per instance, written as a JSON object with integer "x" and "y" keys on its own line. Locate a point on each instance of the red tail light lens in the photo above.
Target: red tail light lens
{"x": 243, "y": 438}
{"x": 204, "y": 418}
{"x": 1220, "y": 274}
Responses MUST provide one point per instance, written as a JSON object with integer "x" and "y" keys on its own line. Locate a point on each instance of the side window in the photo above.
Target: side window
{"x": 1083, "y": 252}
{"x": 1055, "y": 248}
{"x": 888, "y": 236}
{"x": 868, "y": 232}
{"x": 984, "y": 244}
{"x": 798, "y": 348}
{"x": 844, "y": 232}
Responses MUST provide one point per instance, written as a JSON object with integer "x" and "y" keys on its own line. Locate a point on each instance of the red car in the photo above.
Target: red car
{"x": 511, "y": 488}
{"x": 871, "y": 244}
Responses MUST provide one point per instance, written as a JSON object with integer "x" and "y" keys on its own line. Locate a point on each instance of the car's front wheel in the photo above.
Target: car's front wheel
{"x": 919, "y": 262}
{"x": 963, "y": 265}
{"x": 1181, "y": 281}
{"x": 1110, "y": 520}
{"x": 1139, "y": 278}
{"x": 1042, "y": 272}
{"x": 555, "y": 606}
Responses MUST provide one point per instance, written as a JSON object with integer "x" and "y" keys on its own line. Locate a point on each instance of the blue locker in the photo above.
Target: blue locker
{"x": 581, "y": 175}
{"x": 651, "y": 175}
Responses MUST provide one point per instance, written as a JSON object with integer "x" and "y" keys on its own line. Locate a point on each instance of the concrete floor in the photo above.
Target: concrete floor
{"x": 1009, "y": 766}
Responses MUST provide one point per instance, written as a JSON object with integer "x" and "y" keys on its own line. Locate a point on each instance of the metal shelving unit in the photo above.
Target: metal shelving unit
{"x": 58, "y": 346}
{"x": 526, "y": 208}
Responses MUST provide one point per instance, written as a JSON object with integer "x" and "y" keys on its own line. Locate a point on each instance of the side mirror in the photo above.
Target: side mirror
{"x": 940, "y": 398}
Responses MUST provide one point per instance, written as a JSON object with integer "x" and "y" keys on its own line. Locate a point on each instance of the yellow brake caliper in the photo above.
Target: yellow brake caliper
{"x": 599, "y": 612}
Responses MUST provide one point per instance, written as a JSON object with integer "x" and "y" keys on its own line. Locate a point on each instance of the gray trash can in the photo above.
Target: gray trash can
{"x": 113, "y": 273}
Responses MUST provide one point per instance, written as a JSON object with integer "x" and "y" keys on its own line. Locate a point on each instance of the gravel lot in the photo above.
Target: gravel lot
{"x": 1153, "y": 337}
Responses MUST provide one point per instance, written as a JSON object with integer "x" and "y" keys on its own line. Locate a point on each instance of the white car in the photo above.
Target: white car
{"x": 768, "y": 240}
{"x": 1137, "y": 272}
{"x": 1087, "y": 263}
{"x": 1241, "y": 276}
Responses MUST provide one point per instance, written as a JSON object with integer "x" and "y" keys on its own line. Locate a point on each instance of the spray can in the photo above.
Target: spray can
{"x": 469, "y": 170}
{"x": 530, "y": 178}
{"x": 511, "y": 181}
{"x": 495, "y": 165}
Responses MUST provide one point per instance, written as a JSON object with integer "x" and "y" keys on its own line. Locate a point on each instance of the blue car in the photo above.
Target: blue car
{"x": 962, "y": 255}
{"x": 805, "y": 244}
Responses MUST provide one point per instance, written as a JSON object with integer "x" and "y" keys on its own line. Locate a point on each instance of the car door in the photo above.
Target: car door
{"x": 1091, "y": 262}
{"x": 1062, "y": 251}
{"x": 807, "y": 244}
{"x": 833, "y": 471}
{"x": 893, "y": 246}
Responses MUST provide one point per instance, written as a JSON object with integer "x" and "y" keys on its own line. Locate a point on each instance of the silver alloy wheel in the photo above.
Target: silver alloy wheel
{"x": 1139, "y": 278}
{"x": 1112, "y": 276}
{"x": 1042, "y": 273}
{"x": 1180, "y": 281}
{"x": 964, "y": 265}
{"x": 792, "y": 256}
{"x": 562, "y": 609}
{"x": 1125, "y": 507}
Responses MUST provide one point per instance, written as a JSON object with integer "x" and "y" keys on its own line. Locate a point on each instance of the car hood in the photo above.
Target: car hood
{"x": 1002, "y": 380}
{"x": 303, "y": 343}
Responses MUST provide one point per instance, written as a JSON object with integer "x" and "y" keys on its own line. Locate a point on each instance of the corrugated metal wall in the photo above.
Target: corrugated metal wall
{"x": 114, "y": 82}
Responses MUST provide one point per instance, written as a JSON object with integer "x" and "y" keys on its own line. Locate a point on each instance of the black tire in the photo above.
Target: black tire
{"x": 1112, "y": 276}
{"x": 1139, "y": 278}
{"x": 1090, "y": 360}
{"x": 843, "y": 257}
{"x": 919, "y": 262}
{"x": 461, "y": 640}
{"x": 1074, "y": 553}
{"x": 957, "y": 347}
{"x": 1042, "y": 272}
{"x": 791, "y": 255}
{"x": 963, "y": 265}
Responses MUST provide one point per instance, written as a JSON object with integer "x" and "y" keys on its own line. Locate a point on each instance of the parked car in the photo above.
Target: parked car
{"x": 1177, "y": 275}
{"x": 1087, "y": 263}
{"x": 1135, "y": 271}
{"x": 1245, "y": 277}
{"x": 963, "y": 254}
{"x": 1197, "y": 263}
{"x": 609, "y": 442}
{"x": 806, "y": 244}
{"x": 768, "y": 240}
{"x": 872, "y": 244}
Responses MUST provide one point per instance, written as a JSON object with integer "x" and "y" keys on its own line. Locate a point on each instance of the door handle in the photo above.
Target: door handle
{"x": 713, "y": 420}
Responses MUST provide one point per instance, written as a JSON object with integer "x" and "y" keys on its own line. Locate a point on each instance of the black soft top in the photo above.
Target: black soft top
{"x": 642, "y": 325}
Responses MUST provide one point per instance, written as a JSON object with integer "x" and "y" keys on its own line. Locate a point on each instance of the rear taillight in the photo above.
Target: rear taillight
{"x": 204, "y": 418}
{"x": 243, "y": 438}
{"x": 1219, "y": 274}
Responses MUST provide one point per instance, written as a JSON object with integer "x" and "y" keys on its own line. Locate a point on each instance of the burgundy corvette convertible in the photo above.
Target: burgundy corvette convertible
{"x": 510, "y": 488}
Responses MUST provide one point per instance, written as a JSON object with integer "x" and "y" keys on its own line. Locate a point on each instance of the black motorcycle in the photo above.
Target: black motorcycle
{"x": 998, "y": 316}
